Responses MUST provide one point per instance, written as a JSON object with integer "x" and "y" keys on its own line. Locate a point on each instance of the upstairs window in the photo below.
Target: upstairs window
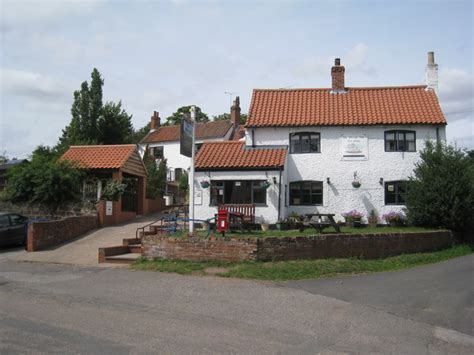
{"x": 395, "y": 192}
{"x": 305, "y": 142}
{"x": 400, "y": 141}
{"x": 157, "y": 152}
{"x": 306, "y": 193}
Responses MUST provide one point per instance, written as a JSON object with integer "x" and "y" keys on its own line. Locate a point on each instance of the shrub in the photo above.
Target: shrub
{"x": 352, "y": 216}
{"x": 441, "y": 192}
{"x": 113, "y": 190}
{"x": 393, "y": 217}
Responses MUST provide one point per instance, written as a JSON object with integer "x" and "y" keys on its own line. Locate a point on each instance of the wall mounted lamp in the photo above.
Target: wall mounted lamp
{"x": 274, "y": 180}
{"x": 381, "y": 181}
{"x": 328, "y": 180}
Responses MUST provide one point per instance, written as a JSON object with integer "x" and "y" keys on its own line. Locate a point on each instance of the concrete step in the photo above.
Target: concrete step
{"x": 127, "y": 258}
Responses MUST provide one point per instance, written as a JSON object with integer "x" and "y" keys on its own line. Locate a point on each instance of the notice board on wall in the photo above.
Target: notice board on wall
{"x": 354, "y": 147}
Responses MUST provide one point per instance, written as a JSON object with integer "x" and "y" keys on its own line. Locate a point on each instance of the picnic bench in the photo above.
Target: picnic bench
{"x": 319, "y": 221}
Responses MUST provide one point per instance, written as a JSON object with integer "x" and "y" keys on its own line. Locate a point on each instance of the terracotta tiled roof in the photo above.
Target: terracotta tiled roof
{"x": 235, "y": 155}
{"x": 238, "y": 134}
{"x": 207, "y": 130}
{"x": 358, "y": 106}
{"x": 100, "y": 156}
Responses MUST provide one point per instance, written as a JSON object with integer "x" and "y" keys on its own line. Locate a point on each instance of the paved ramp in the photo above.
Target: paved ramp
{"x": 83, "y": 250}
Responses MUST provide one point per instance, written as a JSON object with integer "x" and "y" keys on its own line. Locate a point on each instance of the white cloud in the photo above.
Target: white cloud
{"x": 456, "y": 90}
{"x": 355, "y": 59}
{"x": 30, "y": 13}
{"x": 33, "y": 85}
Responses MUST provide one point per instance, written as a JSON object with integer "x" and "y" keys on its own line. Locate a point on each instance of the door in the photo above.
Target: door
{"x": 5, "y": 230}
{"x": 130, "y": 195}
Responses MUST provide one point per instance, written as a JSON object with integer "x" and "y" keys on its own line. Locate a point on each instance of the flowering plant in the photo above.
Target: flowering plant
{"x": 353, "y": 215}
{"x": 395, "y": 218}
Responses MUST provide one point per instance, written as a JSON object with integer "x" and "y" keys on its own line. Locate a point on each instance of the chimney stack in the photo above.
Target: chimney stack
{"x": 235, "y": 113}
{"x": 155, "y": 121}
{"x": 431, "y": 73}
{"x": 337, "y": 74}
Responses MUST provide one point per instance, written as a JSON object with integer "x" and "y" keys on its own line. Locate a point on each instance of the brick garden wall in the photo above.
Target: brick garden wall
{"x": 42, "y": 235}
{"x": 367, "y": 246}
{"x": 199, "y": 249}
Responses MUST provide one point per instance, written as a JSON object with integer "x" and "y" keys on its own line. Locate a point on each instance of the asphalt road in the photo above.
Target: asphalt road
{"x": 440, "y": 294}
{"x": 70, "y": 309}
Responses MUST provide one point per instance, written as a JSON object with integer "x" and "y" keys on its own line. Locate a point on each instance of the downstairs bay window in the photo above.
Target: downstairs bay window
{"x": 238, "y": 192}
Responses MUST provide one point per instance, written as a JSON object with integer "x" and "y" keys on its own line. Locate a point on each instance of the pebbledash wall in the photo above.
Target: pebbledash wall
{"x": 171, "y": 152}
{"x": 267, "y": 213}
{"x": 367, "y": 246}
{"x": 340, "y": 196}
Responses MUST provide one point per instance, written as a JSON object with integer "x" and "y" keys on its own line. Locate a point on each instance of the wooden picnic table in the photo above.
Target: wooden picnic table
{"x": 316, "y": 220}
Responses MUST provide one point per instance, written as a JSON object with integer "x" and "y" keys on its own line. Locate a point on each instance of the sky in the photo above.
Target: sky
{"x": 161, "y": 55}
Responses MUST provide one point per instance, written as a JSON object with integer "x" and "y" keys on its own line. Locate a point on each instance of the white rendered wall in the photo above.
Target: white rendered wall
{"x": 340, "y": 196}
{"x": 267, "y": 213}
{"x": 172, "y": 155}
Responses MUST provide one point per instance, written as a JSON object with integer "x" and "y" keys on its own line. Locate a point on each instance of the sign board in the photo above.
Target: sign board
{"x": 198, "y": 197}
{"x": 186, "y": 137}
{"x": 354, "y": 147}
{"x": 108, "y": 208}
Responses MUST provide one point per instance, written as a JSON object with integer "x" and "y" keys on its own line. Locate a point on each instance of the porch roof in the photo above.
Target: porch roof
{"x": 235, "y": 155}
{"x": 123, "y": 157}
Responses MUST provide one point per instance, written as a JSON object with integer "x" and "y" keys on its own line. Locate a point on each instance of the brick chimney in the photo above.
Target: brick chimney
{"x": 155, "y": 121}
{"x": 337, "y": 74}
{"x": 431, "y": 73}
{"x": 235, "y": 113}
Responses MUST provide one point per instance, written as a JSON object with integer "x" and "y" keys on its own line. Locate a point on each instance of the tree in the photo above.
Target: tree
{"x": 91, "y": 120}
{"x": 156, "y": 181}
{"x": 114, "y": 124}
{"x": 441, "y": 193}
{"x": 226, "y": 116}
{"x": 139, "y": 134}
{"x": 44, "y": 181}
{"x": 176, "y": 117}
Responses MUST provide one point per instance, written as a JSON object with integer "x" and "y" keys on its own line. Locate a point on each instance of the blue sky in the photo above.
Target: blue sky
{"x": 160, "y": 55}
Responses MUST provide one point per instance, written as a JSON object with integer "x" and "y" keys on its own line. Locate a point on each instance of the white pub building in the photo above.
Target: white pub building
{"x": 326, "y": 150}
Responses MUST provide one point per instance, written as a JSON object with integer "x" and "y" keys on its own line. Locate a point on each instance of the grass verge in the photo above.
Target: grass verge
{"x": 304, "y": 269}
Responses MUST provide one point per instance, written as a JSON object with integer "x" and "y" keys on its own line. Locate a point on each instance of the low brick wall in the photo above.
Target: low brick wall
{"x": 199, "y": 249}
{"x": 369, "y": 246}
{"x": 43, "y": 235}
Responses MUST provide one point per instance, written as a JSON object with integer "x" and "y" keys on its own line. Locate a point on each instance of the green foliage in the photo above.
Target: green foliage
{"x": 114, "y": 125}
{"x": 226, "y": 116}
{"x": 113, "y": 190}
{"x": 176, "y": 117}
{"x": 183, "y": 182}
{"x": 139, "y": 134}
{"x": 44, "y": 181}
{"x": 156, "y": 181}
{"x": 441, "y": 193}
{"x": 92, "y": 122}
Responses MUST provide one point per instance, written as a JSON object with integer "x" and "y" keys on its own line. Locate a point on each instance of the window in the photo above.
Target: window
{"x": 400, "y": 141}
{"x": 306, "y": 193}
{"x": 238, "y": 192}
{"x": 395, "y": 192}
{"x": 178, "y": 172}
{"x": 157, "y": 152}
{"x": 305, "y": 142}
{"x": 4, "y": 221}
{"x": 17, "y": 220}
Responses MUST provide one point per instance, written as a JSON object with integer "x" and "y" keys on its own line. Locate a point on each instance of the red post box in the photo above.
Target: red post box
{"x": 222, "y": 221}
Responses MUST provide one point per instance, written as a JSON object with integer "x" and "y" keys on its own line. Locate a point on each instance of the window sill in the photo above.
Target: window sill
{"x": 305, "y": 153}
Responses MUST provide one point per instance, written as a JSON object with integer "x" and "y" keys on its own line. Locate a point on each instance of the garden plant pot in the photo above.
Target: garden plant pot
{"x": 283, "y": 226}
{"x": 265, "y": 227}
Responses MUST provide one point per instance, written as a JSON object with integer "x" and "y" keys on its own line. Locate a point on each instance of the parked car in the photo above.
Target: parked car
{"x": 13, "y": 229}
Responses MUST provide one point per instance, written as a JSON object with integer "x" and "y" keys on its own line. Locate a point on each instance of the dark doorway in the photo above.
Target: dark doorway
{"x": 130, "y": 195}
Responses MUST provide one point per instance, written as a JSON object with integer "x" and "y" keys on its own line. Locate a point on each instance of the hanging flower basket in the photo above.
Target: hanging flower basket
{"x": 265, "y": 185}
{"x": 205, "y": 184}
{"x": 356, "y": 184}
